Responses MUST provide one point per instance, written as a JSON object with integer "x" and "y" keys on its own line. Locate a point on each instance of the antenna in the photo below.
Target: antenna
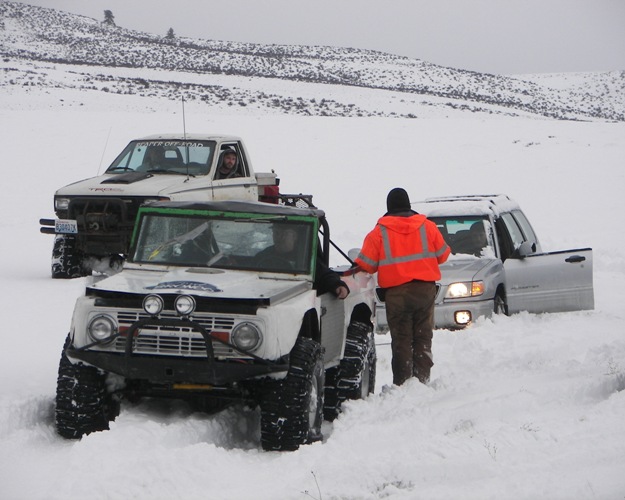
{"x": 184, "y": 120}
{"x": 104, "y": 150}
{"x": 184, "y": 133}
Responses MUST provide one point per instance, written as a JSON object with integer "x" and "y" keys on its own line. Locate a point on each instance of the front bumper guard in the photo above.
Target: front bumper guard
{"x": 172, "y": 369}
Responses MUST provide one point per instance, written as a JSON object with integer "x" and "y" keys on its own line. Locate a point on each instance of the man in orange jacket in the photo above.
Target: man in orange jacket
{"x": 405, "y": 249}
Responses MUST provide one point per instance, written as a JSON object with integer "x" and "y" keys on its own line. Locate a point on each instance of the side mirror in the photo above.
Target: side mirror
{"x": 353, "y": 253}
{"x": 526, "y": 248}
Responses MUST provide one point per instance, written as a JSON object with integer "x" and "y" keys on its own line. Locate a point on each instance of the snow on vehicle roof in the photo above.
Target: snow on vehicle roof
{"x": 187, "y": 137}
{"x": 253, "y": 207}
{"x": 493, "y": 204}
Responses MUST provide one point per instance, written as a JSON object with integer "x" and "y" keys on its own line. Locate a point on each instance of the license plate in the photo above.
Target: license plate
{"x": 65, "y": 226}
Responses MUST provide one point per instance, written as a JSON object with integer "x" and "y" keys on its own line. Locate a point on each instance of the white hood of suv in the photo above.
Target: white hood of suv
{"x": 204, "y": 282}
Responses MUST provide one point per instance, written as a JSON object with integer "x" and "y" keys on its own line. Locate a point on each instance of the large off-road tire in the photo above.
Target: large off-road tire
{"x": 66, "y": 260}
{"x": 292, "y": 409}
{"x": 354, "y": 377}
{"x": 82, "y": 402}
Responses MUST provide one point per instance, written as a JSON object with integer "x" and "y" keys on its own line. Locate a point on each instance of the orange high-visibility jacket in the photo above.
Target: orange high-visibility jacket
{"x": 402, "y": 249}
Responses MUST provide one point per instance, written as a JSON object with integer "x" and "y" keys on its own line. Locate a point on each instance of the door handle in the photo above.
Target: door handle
{"x": 575, "y": 258}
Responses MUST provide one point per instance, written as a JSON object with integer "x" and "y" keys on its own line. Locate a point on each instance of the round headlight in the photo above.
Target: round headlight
{"x": 185, "y": 305}
{"x": 102, "y": 328}
{"x": 153, "y": 305}
{"x": 462, "y": 317}
{"x": 246, "y": 336}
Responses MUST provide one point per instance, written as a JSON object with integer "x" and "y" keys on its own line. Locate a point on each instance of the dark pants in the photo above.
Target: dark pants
{"x": 410, "y": 315}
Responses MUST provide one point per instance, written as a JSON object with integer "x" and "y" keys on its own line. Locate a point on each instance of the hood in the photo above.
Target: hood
{"x": 203, "y": 282}
{"x": 403, "y": 225}
{"x": 132, "y": 184}
{"x": 464, "y": 268}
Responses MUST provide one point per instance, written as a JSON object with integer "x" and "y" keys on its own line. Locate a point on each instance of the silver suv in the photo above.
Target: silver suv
{"x": 497, "y": 264}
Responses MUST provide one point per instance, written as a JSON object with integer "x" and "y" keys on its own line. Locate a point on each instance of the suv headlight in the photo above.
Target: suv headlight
{"x": 102, "y": 328}
{"x": 61, "y": 204}
{"x": 246, "y": 336}
{"x": 465, "y": 289}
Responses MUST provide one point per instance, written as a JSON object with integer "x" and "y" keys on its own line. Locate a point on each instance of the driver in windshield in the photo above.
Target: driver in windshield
{"x": 154, "y": 158}
{"x": 285, "y": 248}
{"x": 477, "y": 238}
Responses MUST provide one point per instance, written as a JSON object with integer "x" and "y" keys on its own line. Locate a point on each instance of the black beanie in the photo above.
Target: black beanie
{"x": 397, "y": 200}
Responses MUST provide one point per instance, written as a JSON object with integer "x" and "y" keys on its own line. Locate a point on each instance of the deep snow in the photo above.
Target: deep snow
{"x": 522, "y": 407}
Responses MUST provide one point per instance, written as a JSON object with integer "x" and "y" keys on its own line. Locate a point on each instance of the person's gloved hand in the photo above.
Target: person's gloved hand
{"x": 341, "y": 291}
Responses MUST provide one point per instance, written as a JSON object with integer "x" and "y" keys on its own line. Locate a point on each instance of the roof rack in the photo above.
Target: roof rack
{"x": 470, "y": 197}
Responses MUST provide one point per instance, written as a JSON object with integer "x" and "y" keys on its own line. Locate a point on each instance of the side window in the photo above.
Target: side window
{"x": 516, "y": 235}
{"x": 528, "y": 232}
{"x": 505, "y": 245}
{"x": 241, "y": 169}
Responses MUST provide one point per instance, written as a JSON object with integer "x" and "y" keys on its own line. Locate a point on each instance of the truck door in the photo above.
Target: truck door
{"x": 332, "y": 326}
{"x": 242, "y": 185}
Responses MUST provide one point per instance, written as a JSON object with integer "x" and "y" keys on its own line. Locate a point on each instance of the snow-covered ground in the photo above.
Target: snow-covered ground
{"x": 519, "y": 407}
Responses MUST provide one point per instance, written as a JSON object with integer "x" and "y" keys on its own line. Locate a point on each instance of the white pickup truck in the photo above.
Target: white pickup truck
{"x": 95, "y": 216}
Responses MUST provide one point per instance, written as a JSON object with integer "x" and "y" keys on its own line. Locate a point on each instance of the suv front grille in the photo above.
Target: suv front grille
{"x": 176, "y": 341}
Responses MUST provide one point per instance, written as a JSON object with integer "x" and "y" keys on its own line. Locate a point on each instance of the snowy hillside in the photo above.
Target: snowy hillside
{"x": 519, "y": 408}
{"x": 90, "y": 51}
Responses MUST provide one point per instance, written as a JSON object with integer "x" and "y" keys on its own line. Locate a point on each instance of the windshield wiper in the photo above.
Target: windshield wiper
{"x": 171, "y": 172}
{"x": 264, "y": 220}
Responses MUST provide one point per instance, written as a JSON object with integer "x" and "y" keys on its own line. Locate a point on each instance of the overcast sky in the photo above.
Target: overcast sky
{"x": 496, "y": 36}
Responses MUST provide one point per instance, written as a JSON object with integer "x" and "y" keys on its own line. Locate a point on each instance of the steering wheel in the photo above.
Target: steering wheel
{"x": 215, "y": 258}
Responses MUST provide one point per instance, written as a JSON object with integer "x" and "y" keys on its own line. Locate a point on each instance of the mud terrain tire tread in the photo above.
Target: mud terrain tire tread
{"x": 355, "y": 375}
{"x": 287, "y": 404}
{"x": 82, "y": 402}
{"x": 66, "y": 261}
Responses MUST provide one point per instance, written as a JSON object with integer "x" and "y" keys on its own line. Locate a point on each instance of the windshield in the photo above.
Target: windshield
{"x": 467, "y": 235}
{"x": 165, "y": 156}
{"x": 273, "y": 244}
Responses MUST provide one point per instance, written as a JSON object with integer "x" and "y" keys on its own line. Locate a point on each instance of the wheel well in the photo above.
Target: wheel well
{"x": 501, "y": 292}
{"x": 361, "y": 313}
{"x": 310, "y": 326}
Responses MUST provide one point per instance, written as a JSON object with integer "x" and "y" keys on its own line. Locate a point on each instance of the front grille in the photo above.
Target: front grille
{"x": 104, "y": 223}
{"x": 176, "y": 341}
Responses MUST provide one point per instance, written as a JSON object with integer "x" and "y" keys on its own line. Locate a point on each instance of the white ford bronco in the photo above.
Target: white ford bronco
{"x": 222, "y": 302}
{"x": 95, "y": 216}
